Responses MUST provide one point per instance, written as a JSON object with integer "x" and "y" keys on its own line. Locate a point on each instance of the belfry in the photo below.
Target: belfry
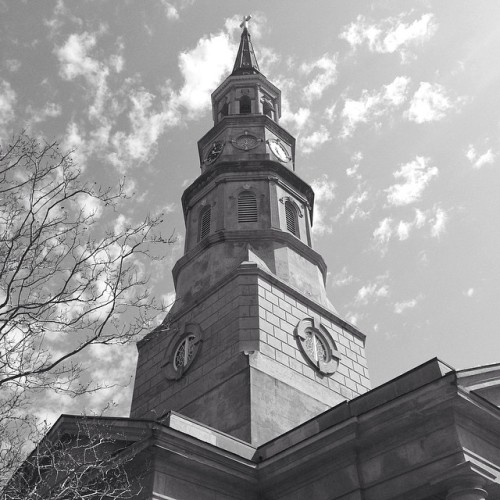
{"x": 254, "y": 387}
{"x": 252, "y": 346}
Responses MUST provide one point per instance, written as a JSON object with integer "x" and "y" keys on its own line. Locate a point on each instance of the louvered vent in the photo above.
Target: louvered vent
{"x": 205, "y": 223}
{"x": 291, "y": 218}
{"x": 247, "y": 207}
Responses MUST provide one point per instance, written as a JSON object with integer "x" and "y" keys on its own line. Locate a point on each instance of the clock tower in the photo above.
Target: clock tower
{"x": 252, "y": 345}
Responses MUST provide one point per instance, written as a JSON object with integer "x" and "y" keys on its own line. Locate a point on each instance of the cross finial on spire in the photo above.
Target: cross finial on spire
{"x": 246, "y": 62}
{"x": 244, "y": 23}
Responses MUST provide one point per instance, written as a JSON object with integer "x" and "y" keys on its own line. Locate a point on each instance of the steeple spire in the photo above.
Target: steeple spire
{"x": 246, "y": 62}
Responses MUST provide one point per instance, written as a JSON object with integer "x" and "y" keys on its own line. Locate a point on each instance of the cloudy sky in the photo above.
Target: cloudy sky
{"x": 395, "y": 106}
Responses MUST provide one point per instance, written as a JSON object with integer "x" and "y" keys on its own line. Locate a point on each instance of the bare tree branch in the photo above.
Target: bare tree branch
{"x": 66, "y": 283}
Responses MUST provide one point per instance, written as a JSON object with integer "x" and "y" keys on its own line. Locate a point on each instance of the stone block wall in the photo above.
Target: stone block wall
{"x": 285, "y": 389}
{"x": 213, "y": 388}
{"x": 249, "y": 378}
{"x": 279, "y": 313}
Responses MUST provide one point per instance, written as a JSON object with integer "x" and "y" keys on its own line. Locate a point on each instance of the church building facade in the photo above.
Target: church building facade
{"x": 254, "y": 387}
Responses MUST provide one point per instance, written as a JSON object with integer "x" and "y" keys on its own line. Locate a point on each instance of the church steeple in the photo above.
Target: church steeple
{"x": 252, "y": 345}
{"x": 246, "y": 61}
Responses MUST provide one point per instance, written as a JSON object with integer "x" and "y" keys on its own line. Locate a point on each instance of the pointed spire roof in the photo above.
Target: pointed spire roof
{"x": 246, "y": 62}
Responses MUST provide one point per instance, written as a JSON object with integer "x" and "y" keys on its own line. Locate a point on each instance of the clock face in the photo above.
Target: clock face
{"x": 214, "y": 152}
{"x": 279, "y": 150}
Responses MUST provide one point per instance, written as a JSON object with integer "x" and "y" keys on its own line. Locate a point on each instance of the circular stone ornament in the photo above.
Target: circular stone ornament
{"x": 246, "y": 141}
{"x": 182, "y": 351}
{"x": 317, "y": 346}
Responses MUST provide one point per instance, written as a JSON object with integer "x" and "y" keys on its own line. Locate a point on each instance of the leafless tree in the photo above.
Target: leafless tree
{"x": 66, "y": 283}
{"x": 83, "y": 458}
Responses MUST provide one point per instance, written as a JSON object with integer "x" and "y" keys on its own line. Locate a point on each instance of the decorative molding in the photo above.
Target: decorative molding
{"x": 186, "y": 345}
{"x": 317, "y": 346}
{"x": 273, "y": 280}
{"x": 246, "y": 141}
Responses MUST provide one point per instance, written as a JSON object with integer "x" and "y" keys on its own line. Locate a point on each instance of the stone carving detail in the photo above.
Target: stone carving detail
{"x": 182, "y": 351}
{"x": 246, "y": 141}
{"x": 317, "y": 346}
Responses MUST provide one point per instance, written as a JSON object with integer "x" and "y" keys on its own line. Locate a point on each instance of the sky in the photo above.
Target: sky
{"x": 395, "y": 107}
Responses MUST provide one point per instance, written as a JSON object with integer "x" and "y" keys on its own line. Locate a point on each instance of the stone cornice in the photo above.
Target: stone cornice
{"x": 252, "y": 268}
{"x": 252, "y": 235}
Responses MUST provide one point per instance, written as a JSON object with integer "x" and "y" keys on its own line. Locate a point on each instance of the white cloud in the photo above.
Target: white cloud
{"x": 298, "y": 119}
{"x": 168, "y": 299}
{"x": 400, "y": 307}
{"x": 13, "y": 65}
{"x": 50, "y": 110}
{"x": 342, "y": 278}
{"x": 311, "y": 142}
{"x": 354, "y": 318}
{"x": 146, "y": 127}
{"x": 89, "y": 206}
{"x": 8, "y": 100}
{"x": 471, "y": 153}
{"x": 484, "y": 159}
{"x": 420, "y": 218}
{"x": 324, "y": 192}
{"x": 331, "y": 112}
{"x": 479, "y": 161}
{"x": 390, "y": 35}
{"x": 430, "y": 103}
{"x": 435, "y": 219}
{"x": 75, "y": 61}
{"x": 383, "y": 232}
{"x": 121, "y": 223}
{"x": 416, "y": 175}
{"x": 351, "y": 171}
{"x": 75, "y": 141}
{"x": 117, "y": 62}
{"x": 370, "y": 291}
{"x": 470, "y": 292}
{"x": 396, "y": 91}
{"x": 372, "y": 105}
{"x": 326, "y": 77}
{"x": 324, "y": 189}
{"x": 171, "y": 10}
{"x": 354, "y": 201}
{"x": 112, "y": 364}
{"x": 403, "y": 230}
{"x": 202, "y": 69}
{"x": 353, "y": 204}
{"x": 438, "y": 222}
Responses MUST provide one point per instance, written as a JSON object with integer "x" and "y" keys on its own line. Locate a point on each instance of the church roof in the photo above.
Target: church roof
{"x": 246, "y": 62}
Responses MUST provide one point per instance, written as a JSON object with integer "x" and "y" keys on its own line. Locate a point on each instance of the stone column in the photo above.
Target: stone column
{"x": 232, "y": 103}
{"x": 274, "y": 203}
{"x": 258, "y": 104}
